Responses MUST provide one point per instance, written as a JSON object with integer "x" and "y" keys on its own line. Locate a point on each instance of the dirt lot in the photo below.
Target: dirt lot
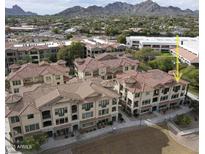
{"x": 149, "y": 140}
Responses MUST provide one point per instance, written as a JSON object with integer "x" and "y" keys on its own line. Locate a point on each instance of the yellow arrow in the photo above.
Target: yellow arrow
{"x": 177, "y": 74}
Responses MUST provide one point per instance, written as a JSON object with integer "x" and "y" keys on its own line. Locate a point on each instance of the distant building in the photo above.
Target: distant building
{"x": 155, "y": 90}
{"x": 157, "y": 43}
{"x": 44, "y": 72}
{"x": 188, "y": 52}
{"x": 25, "y": 28}
{"x": 105, "y": 65}
{"x": 35, "y": 51}
{"x": 61, "y": 110}
{"x": 95, "y": 46}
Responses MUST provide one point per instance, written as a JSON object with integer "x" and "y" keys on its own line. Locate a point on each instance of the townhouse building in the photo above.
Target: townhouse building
{"x": 105, "y": 65}
{"x": 155, "y": 90}
{"x": 61, "y": 110}
{"x": 44, "y": 72}
{"x": 34, "y": 51}
{"x": 157, "y": 43}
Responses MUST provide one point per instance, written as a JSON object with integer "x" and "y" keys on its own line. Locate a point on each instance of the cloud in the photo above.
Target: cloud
{"x": 54, "y": 6}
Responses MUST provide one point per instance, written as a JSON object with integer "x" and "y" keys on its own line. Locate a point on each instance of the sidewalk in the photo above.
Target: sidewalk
{"x": 109, "y": 129}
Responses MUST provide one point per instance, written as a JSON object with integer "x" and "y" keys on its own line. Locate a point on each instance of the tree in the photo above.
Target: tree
{"x": 68, "y": 36}
{"x": 56, "y": 31}
{"x": 183, "y": 120}
{"x": 121, "y": 39}
{"x": 34, "y": 141}
{"x": 69, "y": 53}
{"x": 111, "y": 31}
{"x": 163, "y": 63}
{"x": 146, "y": 54}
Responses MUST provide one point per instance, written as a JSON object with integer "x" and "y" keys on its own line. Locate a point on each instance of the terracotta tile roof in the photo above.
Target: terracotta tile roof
{"x": 45, "y": 94}
{"x": 146, "y": 81}
{"x": 193, "y": 58}
{"x": 34, "y": 70}
{"x": 105, "y": 60}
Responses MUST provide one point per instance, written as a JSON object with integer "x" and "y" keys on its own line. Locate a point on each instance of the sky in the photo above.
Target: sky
{"x": 43, "y": 7}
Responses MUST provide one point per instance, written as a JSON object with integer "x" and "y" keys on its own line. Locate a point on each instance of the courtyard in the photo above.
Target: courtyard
{"x": 145, "y": 140}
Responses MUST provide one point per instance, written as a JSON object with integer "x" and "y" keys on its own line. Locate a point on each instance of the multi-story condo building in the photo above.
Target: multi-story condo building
{"x": 96, "y": 46}
{"x": 188, "y": 52}
{"x": 155, "y": 90}
{"x": 61, "y": 109}
{"x": 105, "y": 65}
{"x": 44, "y": 72}
{"x": 36, "y": 51}
{"x": 157, "y": 43}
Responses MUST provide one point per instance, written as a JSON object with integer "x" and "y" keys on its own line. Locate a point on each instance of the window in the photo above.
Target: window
{"x": 74, "y": 108}
{"x": 87, "y": 106}
{"x": 88, "y": 124}
{"x": 30, "y": 116}
{"x": 18, "y": 82}
{"x": 182, "y": 94}
{"x": 87, "y": 74}
{"x": 126, "y": 68}
{"x": 155, "y": 99}
{"x": 61, "y": 121}
{"x": 163, "y": 98}
{"x": 146, "y": 102}
{"x": 129, "y": 102}
{"x": 103, "y": 103}
{"x": 114, "y": 101}
{"x": 156, "y": 92}
{"x": 121, "y": 87}
{"x": 183, "y": 87}
{"x": 32, "y": 127}
{"x": 58, "y": 77}
{"x": 133, "y": 67}
{"x": 103, "y": 112}
{"x": 114, "y": 109}
{"x": 175, "y": 96}
{"x": 136, "y": 103}
{"x": 74, "y": 117}
{"x": 165, "y": 91}
{"x": 176, "y": 88}
{"x": 87, "y": 115}
{"x": 16, "y": 90}
{"x": 61, "y": 111}
{"x": 15, "y": 119}
{"x": 48, "y": 78}
{"x": 137, "y": 95}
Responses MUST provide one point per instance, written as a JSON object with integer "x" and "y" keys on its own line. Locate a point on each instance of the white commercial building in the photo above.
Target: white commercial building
{"x": 158, "y": 43}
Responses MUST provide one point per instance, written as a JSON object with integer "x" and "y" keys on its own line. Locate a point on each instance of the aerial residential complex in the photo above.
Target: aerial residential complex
{"x": 36, "y": 51}
{"x": 105, "y": 65}
{"x": 158, "y": 43}
{"x": 155, "y": 90}
{"x": 61, "y": 109}
{"x": 44, "y": 72}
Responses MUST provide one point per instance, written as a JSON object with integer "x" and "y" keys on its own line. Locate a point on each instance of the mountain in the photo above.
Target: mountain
{"x": 17, "y": 11}
{"x": 119, "y": 8}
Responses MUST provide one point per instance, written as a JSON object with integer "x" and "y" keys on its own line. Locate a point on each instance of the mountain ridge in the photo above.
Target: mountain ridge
{"x": 122, "y": 8}
{"x": 18, "y": 11}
